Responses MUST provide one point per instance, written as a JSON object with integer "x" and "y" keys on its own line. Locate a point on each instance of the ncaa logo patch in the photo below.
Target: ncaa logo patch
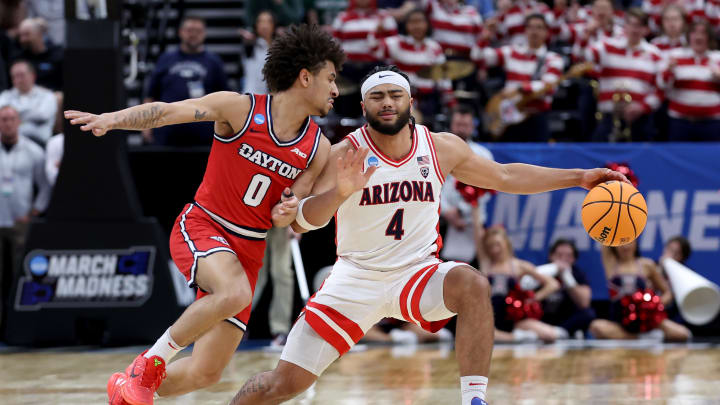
{"x": 425, "y": 171}
{"x": 373, "y": 161}
{"x": 39, "y": 266}
{"x": 259, "y": 119}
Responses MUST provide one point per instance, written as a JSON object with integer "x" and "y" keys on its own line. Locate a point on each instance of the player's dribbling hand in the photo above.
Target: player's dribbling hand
{"x": 98, "y": 124}
{"x": 350, "y": 175}
{"x": 284, "y": 212}
{"x": 593, "y": 177}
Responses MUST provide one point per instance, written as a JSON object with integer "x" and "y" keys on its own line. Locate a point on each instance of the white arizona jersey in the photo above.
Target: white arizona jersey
{"x": 393, "y": 221}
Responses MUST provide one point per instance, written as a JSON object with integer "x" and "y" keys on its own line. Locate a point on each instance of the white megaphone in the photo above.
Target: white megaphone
{"x": 697, "y": 298}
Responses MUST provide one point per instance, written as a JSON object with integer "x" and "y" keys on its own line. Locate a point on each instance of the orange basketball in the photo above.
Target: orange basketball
{"x": 614, "y": 213}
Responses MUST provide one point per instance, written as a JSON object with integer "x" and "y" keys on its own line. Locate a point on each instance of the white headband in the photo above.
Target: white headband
{"x": 383, "y": 77}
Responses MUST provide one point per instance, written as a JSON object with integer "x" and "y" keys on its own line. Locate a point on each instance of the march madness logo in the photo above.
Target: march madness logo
{"x": 86, "y": 278}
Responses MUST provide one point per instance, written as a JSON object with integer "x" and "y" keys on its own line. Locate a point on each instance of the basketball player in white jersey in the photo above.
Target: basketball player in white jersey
{"x": 385, "y": 194}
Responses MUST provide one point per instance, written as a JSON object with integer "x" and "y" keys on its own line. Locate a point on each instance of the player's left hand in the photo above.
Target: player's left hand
{"x": 593, "y": 177}
{"x": 350, "y": 176}
{"x": 284, "y": 212}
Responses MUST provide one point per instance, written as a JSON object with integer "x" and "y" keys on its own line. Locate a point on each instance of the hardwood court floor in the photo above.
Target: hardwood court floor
{"x": 561, "y": 374}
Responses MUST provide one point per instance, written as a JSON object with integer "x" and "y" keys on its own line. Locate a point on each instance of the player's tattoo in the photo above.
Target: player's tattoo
{"x": 144, "y": 118}
{"x": 254, "y": 385}
{"x": 200, "y": 115}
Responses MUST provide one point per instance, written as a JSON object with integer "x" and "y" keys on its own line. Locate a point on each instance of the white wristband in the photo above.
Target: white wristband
{"x": 300, "y": 219}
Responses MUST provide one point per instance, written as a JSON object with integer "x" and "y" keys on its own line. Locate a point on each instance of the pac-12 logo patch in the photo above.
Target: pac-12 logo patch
{"x": 424, "y": 170}
{"x": 259, "y": 119}
{"x": 373, "y": 161}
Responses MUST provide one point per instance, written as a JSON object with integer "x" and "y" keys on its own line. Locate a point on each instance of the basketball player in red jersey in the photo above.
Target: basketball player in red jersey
{"x": 256, "y": 164}
{"x": 386, "y": 205}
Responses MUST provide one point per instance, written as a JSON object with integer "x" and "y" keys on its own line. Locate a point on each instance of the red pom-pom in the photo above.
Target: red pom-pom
{"x": 642, "y": 311}
{"x": 624, "y": 168}
{"x": 471, "y": 193}
{"x": 522, "y": 305}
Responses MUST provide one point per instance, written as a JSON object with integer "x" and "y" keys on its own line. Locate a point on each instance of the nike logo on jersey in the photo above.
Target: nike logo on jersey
{"x": 268, "y": 161}
{"x": 299, "y": 153}
{"x": 389, "y": 193}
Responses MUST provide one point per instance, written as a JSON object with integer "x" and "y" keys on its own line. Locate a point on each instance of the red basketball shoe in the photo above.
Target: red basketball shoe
{"x": 144, "y": 376}
{"x": 114, "y": 385}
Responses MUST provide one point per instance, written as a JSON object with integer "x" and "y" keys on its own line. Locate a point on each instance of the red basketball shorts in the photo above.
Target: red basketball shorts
{"x": 196, "y": 234}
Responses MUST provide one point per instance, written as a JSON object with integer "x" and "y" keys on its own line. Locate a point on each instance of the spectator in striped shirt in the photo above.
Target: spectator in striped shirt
{"x": 694, "y": 10}
{"x": 673, "y": 28}
{"x": 411, "y": 53}
{"x": 712, "y": 14}
{"x": 692, "y": 84}
{"x": 528, "y": 68}
{"x": 628, "y": 94}
{"x": 454, "y": 26}
{"x": 511, "y": 22}
{"x": 567, "y": 15}
{"x": 602, "y": 25}
{"x": 356, "y": 29}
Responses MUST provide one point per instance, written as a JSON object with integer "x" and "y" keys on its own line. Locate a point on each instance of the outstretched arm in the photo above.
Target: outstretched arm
{"x": 219, "y": 106}
{"x": 458, "y": 159}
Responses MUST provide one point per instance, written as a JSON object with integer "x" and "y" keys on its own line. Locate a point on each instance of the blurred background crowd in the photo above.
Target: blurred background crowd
{"x": 486, "y": 70}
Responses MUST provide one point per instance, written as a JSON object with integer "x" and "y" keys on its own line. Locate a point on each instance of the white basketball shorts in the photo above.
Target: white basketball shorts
{"x": 353, "y": 299}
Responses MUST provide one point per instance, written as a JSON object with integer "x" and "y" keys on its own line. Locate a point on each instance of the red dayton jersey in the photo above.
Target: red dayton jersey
{"x": 247, "y": 172}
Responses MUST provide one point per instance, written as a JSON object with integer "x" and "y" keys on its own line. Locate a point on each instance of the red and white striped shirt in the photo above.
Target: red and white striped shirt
{"x": 572, "y": 31}
{"x": 665, "y": 43}
{"x": 511, "y": 23}
{"x": 694, "y": 10}
{"x": 690, "y": 87}
{"x": 520, "y": 64}
{"x": 410, "y": 56}
{"x": 566, "y": 18}
{"x": 455, "y": 28}
{"x": 712, "y": 13}
{"x": 581, "y": 41}
{"x": 625, "y": 70}
{"x": 353, "y": 29}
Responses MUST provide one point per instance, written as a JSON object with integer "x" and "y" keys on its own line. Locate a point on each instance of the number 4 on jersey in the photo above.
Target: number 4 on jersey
{"x": 395, "y": 227}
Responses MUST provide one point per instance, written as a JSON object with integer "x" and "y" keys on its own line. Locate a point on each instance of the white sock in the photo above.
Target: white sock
{"x": 165, "y": 348}
{"x": 472, "y": 386}
{"x": 561, "y": 333}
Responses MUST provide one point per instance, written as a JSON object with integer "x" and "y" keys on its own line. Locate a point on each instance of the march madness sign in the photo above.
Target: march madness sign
{"x": 85, "y": 278}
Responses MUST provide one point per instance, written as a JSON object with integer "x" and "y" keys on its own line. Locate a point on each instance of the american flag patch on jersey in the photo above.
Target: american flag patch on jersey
{"x": 423, "y": 160}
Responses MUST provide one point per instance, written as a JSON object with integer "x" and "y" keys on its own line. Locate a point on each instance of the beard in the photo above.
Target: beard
{"x": 389, "y": 129}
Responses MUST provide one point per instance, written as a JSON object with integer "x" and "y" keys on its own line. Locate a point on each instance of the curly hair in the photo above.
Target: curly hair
{"x": 300, "y": 47}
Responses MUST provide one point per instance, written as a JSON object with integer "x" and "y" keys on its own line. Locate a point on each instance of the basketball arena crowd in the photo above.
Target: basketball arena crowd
{"x": 486, "y": 70}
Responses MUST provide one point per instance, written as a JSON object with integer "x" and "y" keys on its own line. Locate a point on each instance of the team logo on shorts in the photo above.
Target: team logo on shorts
{"x": 259, "y": 119}
{"x": 220, "y": 239}
{"x": 424, "y": 171}
{"x": 373, "y": 161}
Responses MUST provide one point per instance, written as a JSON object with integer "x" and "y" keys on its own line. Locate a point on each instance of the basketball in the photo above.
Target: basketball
{"x": 614, "y": 213}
